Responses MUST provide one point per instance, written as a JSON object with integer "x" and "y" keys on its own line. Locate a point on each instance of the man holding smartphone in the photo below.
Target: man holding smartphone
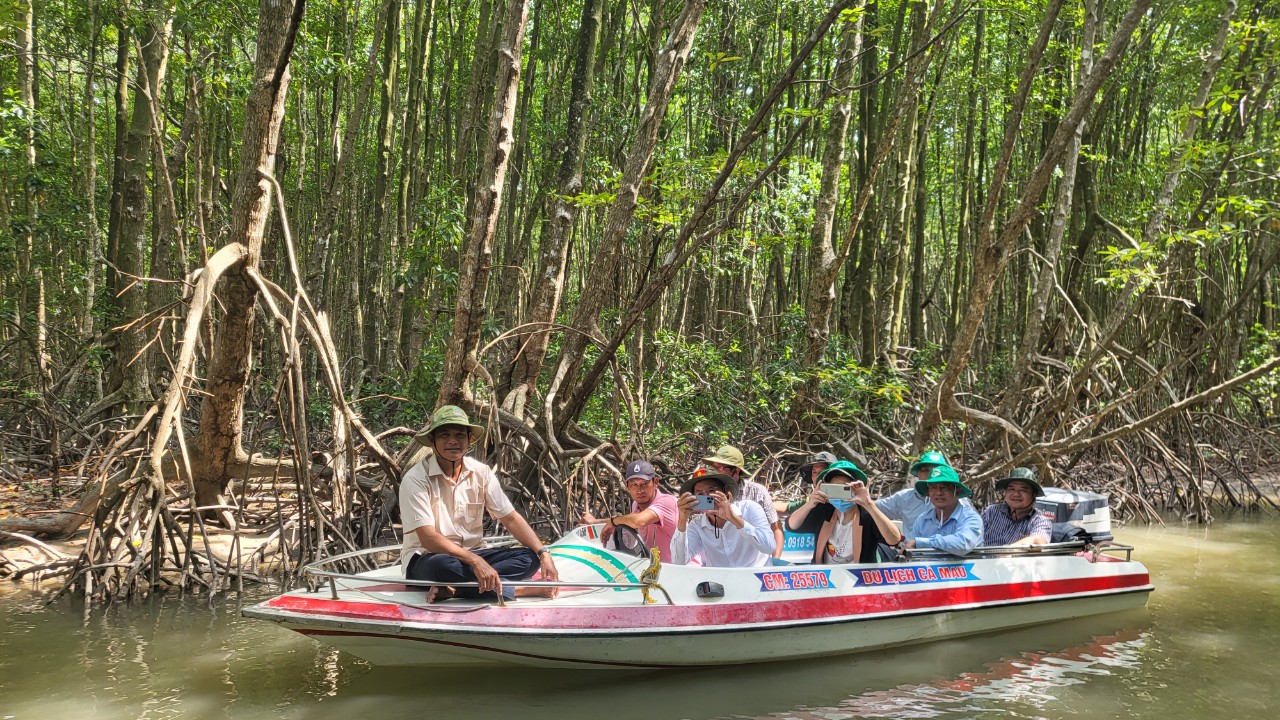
{"x": 726, "y": 533}
{"x": 728, "y": 460}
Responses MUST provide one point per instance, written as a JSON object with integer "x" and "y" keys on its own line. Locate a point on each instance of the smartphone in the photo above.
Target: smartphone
{"x": 704, "y": 503}
{"x": 836, "y": 492}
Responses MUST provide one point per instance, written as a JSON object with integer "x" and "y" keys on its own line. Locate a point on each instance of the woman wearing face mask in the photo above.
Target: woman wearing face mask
{"x": 854, "y": 529}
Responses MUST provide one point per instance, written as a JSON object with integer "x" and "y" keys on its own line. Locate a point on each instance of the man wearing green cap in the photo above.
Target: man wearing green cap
{"x": 1014, "y": 520}
{"x": 907, "y": 504}
{"x": 951, "y": 527}
{"x": 728, "y": 460}
{"x": 442, "y": 504}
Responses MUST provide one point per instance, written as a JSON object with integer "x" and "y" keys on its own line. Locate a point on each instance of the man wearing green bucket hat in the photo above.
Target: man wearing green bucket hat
{"x": 1014, "y": 520}
{"x": 951, "y": 527}
{"x": 443, "y": 500}
{"x": 852, "y": 529}
{"x": 907, "y": 504}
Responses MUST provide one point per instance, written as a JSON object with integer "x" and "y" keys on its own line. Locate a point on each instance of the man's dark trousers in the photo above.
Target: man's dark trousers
{"x": 516, "y": 563}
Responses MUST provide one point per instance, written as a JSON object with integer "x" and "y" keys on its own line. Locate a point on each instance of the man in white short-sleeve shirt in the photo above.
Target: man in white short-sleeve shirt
{"x": 443, "y": 501}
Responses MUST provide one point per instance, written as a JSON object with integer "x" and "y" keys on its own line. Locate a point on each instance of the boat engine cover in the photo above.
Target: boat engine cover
{"x": 1073, "y": 511}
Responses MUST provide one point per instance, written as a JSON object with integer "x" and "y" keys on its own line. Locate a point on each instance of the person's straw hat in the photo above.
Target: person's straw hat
{"x": 730, "y": 486}
{"x": 727, "y": 455}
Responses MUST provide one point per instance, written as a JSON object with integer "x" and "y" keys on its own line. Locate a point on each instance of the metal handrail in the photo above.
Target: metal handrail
{"x": 1106, "y": 546}
{"x": 314, "y": 569}
{"x": 983, "y": 551}
{"x": 1061, "y": 548}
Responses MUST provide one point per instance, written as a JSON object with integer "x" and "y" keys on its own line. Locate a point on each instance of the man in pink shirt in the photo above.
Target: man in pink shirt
{"x": 653, "y": 513}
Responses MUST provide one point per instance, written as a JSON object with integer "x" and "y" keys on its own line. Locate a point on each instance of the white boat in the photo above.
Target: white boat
{"x": 618, "y": 610}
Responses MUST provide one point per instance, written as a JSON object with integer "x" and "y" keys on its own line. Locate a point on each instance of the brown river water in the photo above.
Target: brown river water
{"x": 1205, "y": 647}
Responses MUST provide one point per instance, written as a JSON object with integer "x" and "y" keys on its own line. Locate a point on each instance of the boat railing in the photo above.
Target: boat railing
{"x": 989, "y": 551}
{"x": 1071, "y": 547}
{"x": 318, "y": 573}
{"x": 1106, "y": 546}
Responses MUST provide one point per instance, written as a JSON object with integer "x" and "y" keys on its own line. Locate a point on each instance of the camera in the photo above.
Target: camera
{"x": 836, "y": 492}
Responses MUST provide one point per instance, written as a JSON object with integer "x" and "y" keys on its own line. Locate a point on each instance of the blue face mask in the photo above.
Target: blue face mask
{"x": 841, "y": 505}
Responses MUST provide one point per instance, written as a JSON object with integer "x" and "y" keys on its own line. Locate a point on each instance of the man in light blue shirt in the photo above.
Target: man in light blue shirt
{"x": 908, "y": 504}
{"x": 951, "y": 527}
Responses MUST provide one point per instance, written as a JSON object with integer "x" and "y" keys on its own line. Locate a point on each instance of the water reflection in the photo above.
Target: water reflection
{"x": 1033, "y": 680}
{"x": 926, "y": 681}
{"x": 1203, "y": 649}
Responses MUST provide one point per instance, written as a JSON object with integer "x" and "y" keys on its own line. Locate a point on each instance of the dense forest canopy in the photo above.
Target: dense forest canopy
{"x": 243, "y": 245}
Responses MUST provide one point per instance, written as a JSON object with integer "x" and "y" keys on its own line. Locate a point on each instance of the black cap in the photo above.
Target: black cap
{"x": 639, "y": 468}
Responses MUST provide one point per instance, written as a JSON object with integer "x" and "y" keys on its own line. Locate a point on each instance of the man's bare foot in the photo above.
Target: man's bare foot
{"x": 440, "y": 593}
{"x": 537, "y": 592}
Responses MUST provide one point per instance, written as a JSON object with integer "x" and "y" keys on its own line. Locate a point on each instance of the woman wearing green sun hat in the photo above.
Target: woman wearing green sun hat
{"x": 855, "y": 530}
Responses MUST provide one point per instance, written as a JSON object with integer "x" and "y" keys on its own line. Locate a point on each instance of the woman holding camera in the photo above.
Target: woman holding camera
{"x": 852, "y": 529}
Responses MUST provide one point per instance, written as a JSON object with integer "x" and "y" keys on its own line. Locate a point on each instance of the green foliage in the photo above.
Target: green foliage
{"x": 423, "y": 383}
{"x": 697, "y": 387}
{"x": 439, "y": 233}
{"x": 1125, "y": 264}
{"x": 702, "y": 393}
{"x": 1264, "y": 391}
{"x": 729, "y": 371}
{"x": 16, "y": 118}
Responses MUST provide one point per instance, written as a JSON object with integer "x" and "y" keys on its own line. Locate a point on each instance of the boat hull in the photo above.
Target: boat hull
{"x": 765, "y": 614}
{"x": 381, "y": 645}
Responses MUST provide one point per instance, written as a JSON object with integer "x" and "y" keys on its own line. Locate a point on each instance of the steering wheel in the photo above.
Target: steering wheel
{"x": 626, "y": 540}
